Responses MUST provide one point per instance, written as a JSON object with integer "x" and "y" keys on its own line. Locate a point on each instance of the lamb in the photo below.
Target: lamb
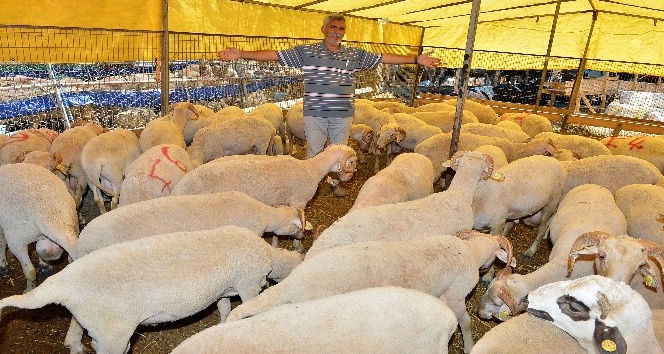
{"x": 385, "y": 128}
{"x": 641, "y": 204}
{"x": 437, "y": 148}
{"x": 496, "y": 153}
{"x": 273, "y": 114}
{"x": 189, "y": 213}
{"x": 170, "y": 129}
{"x": 160, "y": 271}
{"x": 233, "y": 136}
{"x": 603, "y": 315}
{"x": 648, "y": 148}
{"x": 543, "y": 180}
{"x": 610, "y": 171}
{"x": 410, "y": 321}
{"x": 154, "y": 173}
{"x": 531, "y": 124}
{"x": 416, "y": 131}
{"x": 584, "y": 209}
{"x": 439, "y": 213}
{"x": 35, "y": 206}
{"x": 437, "y": 107}
{"x": 47, "y": 160}
{"x": 408, "y": 177}
{"x": 207, "y": 117}
{"x": 584, "y": 147}
{"x": 24, "y": 141}
{"x": 444, "y": 120}
{"x": 451, "y": 272}
{"x": 105, "y": 159}
{"x": 507, "y": 124}
{"x": 495, "y": 130}
{"x": 484, "y": 113}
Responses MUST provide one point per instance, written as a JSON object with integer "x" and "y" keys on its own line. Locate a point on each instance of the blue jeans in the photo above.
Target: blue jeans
{"x": 317, "y": 130}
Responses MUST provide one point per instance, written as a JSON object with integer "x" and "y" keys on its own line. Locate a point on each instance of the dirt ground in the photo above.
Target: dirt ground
{"x": 43, "y": 330}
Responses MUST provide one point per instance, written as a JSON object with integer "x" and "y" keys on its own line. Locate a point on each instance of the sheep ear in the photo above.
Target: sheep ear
{"x": 20, "y": 157}
{"x": 502, "y": 255}
{"x": 401, "y": 134}
{"x": 608, "y": 340}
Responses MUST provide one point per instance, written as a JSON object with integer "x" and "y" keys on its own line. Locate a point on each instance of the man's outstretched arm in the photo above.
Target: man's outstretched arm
{"x": 259, "y": 55}
{"x": 422, "y": 59}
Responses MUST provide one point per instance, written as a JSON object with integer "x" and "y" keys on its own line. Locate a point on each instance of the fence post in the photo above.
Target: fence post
{"x": 546, "y": 60}
{"x": 58, "y": 97}
{"x": 164, "y": 73}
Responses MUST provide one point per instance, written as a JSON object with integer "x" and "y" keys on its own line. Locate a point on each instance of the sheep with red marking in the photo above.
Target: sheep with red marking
{"x": 649, "y": 148}
{"x": 169, "y": 129}
{"x": 24, "y": 141}
{"x": 531, "y": 124}
{"x": 154, "y": 173}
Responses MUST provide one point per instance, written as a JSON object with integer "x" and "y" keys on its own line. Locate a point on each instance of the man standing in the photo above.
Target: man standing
{"x": 329, "y": 70}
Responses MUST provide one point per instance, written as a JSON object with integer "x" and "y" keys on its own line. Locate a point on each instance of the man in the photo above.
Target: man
{"x": 329, "y": 80}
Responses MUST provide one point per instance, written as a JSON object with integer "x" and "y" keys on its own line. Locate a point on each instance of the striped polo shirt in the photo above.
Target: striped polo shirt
{"x": 329, "y": 78}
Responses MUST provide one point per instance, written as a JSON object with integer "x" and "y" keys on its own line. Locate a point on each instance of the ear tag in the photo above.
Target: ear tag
{"x": 497, "y": 176}
{"x": 609, "y": 345}
{"x": 649, "y": 280}
{"x": 503, "y": 316}
{"x": 308, "y": 226}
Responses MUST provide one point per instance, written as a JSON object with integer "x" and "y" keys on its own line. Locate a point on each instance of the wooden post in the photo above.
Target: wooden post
{"x": 546, "y": 59}
{"x": 659, "y": 82}
{"x": 602, "y": 104}
{"x": 164, "y": 72}
{"x": 635, "y": 81}
{"x": 418, "y": 71}
{"x": 574, "y": 97}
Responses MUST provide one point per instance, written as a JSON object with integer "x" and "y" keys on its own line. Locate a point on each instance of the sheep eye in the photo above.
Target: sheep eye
{"x": 602, "y": 256}
{"x": 572, "y": 307}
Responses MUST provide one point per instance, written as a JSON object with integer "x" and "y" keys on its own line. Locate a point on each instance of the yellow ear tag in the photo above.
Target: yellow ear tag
{"x": 609, "y": 345}
{"x": 649, "y": 280}
{"x": 308, "y": 226}
{"x": 504, "y": 315}
{"x": 497, "y": 176}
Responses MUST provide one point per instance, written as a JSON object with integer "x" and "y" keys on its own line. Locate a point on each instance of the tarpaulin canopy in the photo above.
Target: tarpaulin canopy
{"x": 626, "y": 34}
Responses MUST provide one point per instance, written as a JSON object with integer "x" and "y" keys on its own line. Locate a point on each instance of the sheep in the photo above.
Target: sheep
{"x": 233, "y": 136}
{"x": 416, "y": 131}
{"x": 603, "y": 315}
{"x": 610, "y": 171}
{"x": 526, "y": 334}
{"x": 438, "y": 107}
{"x": 507, "y": 124}
{"x": 392, "y": 107}
{"x": 35, "y": 206}
{"x": 532, "y": 184}
{"x": 409, "y": 177}
{"x": 584, "y": 147}
{"x": 207, "y": 117}
{"x": 202, "y": 267}
{"x": 441, "y": 213}
{"x": 531, "y": 124}
{"x": 105, "y": 159}
{"x": 437, "y": 148}
{"x": 584, "y": 209}
{"x": 410, "y": 322}
{"x": 641, "y": 204}
{"x": 451, "y": 272}
{"x": 154, "y": 173}
{"x": 648, "y": 148}
{"x": 495, "y": 130}
{"x": 24, "y": 141}
{"x": 47, "y": 160}
{"x": 445, "y": 120}
{"x": 189, "y": 213}
{"x": 170, "y": 129}
{"x": 385, "y": 128}
{"x": 484, "y": 113}
{"x": 273, "y": 114}
{"x": 496, "y": 153}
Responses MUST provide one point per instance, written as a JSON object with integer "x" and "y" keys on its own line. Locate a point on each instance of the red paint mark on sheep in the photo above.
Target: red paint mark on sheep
{"x": 610, "y": 144}
{"x": 179, "y": 164}
{"x": 167, "y": 184}
{"x": 637, "y": 143}
{"x": 49, "y": 135}
{"x": 16, "y": 138}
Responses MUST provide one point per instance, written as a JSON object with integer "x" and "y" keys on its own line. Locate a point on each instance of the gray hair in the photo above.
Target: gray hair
{"x": 333, "y": 17}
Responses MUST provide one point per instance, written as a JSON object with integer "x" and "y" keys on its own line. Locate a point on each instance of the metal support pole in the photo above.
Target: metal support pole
{"x": 66, "y": 115}
{"x": 548, "y": 54}
{"x": 418, "y": 71}
{"x": 165, "y": 77}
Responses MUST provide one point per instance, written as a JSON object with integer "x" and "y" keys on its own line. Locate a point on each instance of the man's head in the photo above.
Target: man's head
{"x": 334, "y": 28}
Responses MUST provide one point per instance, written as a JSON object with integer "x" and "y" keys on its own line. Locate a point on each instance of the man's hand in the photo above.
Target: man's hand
{"x": 427, "y": 60}
{"x": 229, "y": 54}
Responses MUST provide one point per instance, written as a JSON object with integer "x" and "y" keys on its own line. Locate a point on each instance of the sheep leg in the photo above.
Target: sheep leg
{"x": 224, "y": 306}
{"x": 114, "y": 202}
{"x": 488, "y": 276}
{"x": 44, "y": 268}
{"x": 4, "y": 269}
{"x": 497, "y": 227}
{"x": 74, "y": 337}
{"x": 541, "y": 232}
{"x": 21, "y": 252}
{"x": 99, "y": 199}
{"x": 275, "y": 241}
{"x": 297, "y": 245}
{"x": 458, "y": 306}
{"x": 508, "y": 227}
{"x": 113, "y": 340}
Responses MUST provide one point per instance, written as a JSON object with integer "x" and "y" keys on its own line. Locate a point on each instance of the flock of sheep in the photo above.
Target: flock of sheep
{"x": 191, "y": 196}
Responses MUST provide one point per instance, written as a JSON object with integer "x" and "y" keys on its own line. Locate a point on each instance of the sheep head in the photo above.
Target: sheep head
{"x": 584, "y": 244}
{"x": 388, "y": 133}
{"x": 489, "y": 172}
{"x": 505, "y": 296}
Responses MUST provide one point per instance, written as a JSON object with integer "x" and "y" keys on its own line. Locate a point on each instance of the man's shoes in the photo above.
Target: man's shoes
{"x": 337, "y": 191}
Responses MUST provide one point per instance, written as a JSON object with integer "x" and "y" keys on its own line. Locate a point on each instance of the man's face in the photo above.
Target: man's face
{"x": 334, "y": 32}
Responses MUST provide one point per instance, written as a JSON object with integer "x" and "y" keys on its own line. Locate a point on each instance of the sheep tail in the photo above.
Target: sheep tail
{"x": 261, "y": 303}
{"x": 30, "y": 300}
{"x": 94, "y": 178}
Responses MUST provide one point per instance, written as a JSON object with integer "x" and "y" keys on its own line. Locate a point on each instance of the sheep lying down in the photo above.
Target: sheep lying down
{"x": 387, "y": 320}
{"x": 157, "y": 279}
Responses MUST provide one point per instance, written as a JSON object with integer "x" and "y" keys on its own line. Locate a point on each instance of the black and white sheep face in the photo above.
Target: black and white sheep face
{"x": 591, "y": 309}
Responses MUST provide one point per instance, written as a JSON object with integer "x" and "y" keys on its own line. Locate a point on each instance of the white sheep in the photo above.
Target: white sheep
{"x": 610, "y": 171}
{"x": 586, "y": 208}
{"x": 202, "y": 267}
{"x": 105, "y": 159}
{"x": 410, "y": 321}
{"x": 437, "y": 148}
{"x": 450, "y": 273}
{"x": 169, "y": 129}
{"x": 496, "y": 153}
{"x": 514, "y": 136}
{"x": 603, "y": 315}
{"x": 154, "y": 173}
{"x": 416, "y": 131}
{"x": 24, "y": 141}
{"x": 273, "y": 114}
{"x": 441, "y": 213}
{"x": 645, "y": 147}
{"x": 584, "y": 147}
{"x": 408, "y": 177}
{"x": 207, "y": 117}
{"x": 385, "y": 128}
{"x": 392, "y": 106}
{"x": 189, "y": 213}
{"x": 484, "y": 113}
{"x": 233, "y": 136}
{"x": 641, "y": 204}
{"x": 35, "y": 206}
{"x": 507, "y": 124}
{"x": 444, "y": 120}
{"x": 437, "y": 107}
{"x": 532, "y": 184}
{"x": 47, "y": 160}
{"x": 531, "y": 124}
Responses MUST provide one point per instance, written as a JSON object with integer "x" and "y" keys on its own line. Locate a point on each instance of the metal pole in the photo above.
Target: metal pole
{"x": 548, "y": 54}
{"x": 418, "y": 71}
{"x": 165, "y": 78}
{"x": 58, "y": 97}
{"x": 462, "y": 84}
